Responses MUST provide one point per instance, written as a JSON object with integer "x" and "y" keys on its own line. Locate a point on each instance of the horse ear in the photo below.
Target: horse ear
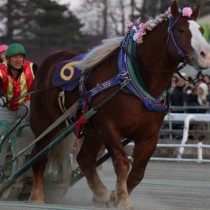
{"x": 196, "y": 12}
{"x": 174, "y": 9}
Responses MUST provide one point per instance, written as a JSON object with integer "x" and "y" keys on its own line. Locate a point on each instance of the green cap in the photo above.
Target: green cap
{"x": 15, "y": 49}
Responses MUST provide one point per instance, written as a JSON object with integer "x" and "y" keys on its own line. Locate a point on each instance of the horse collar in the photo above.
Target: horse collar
{"x": 136, "y": 85}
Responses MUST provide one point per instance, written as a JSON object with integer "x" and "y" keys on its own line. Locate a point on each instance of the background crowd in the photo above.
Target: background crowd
{"x": 188, "y": 91}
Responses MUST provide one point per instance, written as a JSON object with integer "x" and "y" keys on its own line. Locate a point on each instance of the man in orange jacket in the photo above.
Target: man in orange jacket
{"x": 16, "y": 79}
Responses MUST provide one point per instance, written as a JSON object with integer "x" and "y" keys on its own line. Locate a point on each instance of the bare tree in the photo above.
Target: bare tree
{"x": 106, "y": 18}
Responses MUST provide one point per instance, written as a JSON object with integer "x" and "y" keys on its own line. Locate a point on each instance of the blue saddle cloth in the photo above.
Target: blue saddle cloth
{"x": 66, "y": 74}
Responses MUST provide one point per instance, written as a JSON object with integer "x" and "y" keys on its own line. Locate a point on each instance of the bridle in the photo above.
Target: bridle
{"x": 171, "y": 24}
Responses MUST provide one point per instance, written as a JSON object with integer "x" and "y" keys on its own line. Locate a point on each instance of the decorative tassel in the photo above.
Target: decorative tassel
{"x": 80, "y": 125}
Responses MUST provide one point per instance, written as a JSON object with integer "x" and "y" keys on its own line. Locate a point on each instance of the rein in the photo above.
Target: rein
{"x": 26, "y": 94}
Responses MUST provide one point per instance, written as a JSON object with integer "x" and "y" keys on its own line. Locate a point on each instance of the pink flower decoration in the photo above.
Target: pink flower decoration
{"x": 130, "y": 26}
{"x": 187, "y": 11}
{"x": 144, "y": 27}
{"x": 137, "y": 22}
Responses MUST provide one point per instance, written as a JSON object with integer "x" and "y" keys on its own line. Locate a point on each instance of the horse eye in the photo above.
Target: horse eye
{"x": 181, "y": 30}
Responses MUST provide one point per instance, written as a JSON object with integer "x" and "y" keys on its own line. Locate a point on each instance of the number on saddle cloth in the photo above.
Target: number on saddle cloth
{"x": 66, "y": 74}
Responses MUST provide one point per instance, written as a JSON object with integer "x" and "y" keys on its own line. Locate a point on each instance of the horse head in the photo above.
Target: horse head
{"x": 186, "y": 36}
{"x": 170, "y": 39}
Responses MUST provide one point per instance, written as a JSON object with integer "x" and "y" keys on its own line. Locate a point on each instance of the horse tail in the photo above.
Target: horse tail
{"x": 60, "y": 153}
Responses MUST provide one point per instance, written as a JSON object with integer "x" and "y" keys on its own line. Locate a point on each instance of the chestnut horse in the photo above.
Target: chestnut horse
{"x": 138, "y": 68}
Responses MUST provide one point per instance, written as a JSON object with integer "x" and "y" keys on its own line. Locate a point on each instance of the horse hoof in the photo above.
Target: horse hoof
{"x": 36, "y": 201}
{"x": 122, "y": 204}
{"x": 101, "y": 199}
{"x": 112, "y": 202}
{"x": 125, "y": 204}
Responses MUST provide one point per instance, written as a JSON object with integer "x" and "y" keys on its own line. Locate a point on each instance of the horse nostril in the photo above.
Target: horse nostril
{"x": 202, "y": 54}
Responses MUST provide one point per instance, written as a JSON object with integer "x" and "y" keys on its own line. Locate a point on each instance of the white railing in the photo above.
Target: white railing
{"x": 199, "y": 147}
{"x": 185, "y": 119}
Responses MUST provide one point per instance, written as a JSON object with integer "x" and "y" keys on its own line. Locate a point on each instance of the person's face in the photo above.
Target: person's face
{"x": 181, "y": 82}
{"x": 200, "y": 91}
{"x": 16, "y": 61}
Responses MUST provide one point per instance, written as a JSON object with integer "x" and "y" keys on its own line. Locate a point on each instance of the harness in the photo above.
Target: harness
{"x": 127, "y": 77}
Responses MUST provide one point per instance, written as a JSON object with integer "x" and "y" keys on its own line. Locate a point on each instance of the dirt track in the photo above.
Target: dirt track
{"x": 166, "y": 186}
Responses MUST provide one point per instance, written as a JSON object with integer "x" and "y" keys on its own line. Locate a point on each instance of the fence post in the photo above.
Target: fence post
{"x": 187, "y": 121}
{"x": 200, "y": 152}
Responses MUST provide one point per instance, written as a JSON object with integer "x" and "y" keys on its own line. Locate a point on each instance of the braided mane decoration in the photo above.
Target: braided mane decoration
{"x": 109, "y": 45}
{"x": 140, "y": 29}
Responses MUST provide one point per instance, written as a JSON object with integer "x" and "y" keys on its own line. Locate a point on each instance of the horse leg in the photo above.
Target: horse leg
{"x": 37, "y": 192}
{"x": 120, "y": 197}
{"x": 141, "y": 154}
{"x": 87, "y": 158}
{"x": 100, "y": 168}
{"x": 87, "y": 162}
{"x": 76, "y": 148}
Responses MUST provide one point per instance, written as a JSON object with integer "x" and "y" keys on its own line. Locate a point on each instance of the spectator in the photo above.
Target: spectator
{"x": 173, "y": 83}
{"x": 191, "y": 98}
{"x": 177, "y": 95}
{"x": 200, "y": 77}
{"x": 177, "y": 99}
{"x": 16, "y": 79}
{"x": 202, "y": 92}
{"x": 3, "y": 49}
{"x": 206, "y": 79}
{"x": 208, "y": 95}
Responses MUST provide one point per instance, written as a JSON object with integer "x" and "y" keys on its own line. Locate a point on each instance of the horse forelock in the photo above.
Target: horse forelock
{"x": 100, "y": 52}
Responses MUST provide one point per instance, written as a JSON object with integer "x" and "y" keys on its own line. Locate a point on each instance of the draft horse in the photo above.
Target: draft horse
{"x": 138, "y": 68}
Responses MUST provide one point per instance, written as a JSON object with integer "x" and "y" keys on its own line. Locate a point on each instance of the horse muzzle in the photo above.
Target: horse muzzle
{"x": 204, "y": 59}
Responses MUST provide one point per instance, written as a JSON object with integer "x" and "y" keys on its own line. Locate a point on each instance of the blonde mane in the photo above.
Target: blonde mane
{"x": 99, "y": 52}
